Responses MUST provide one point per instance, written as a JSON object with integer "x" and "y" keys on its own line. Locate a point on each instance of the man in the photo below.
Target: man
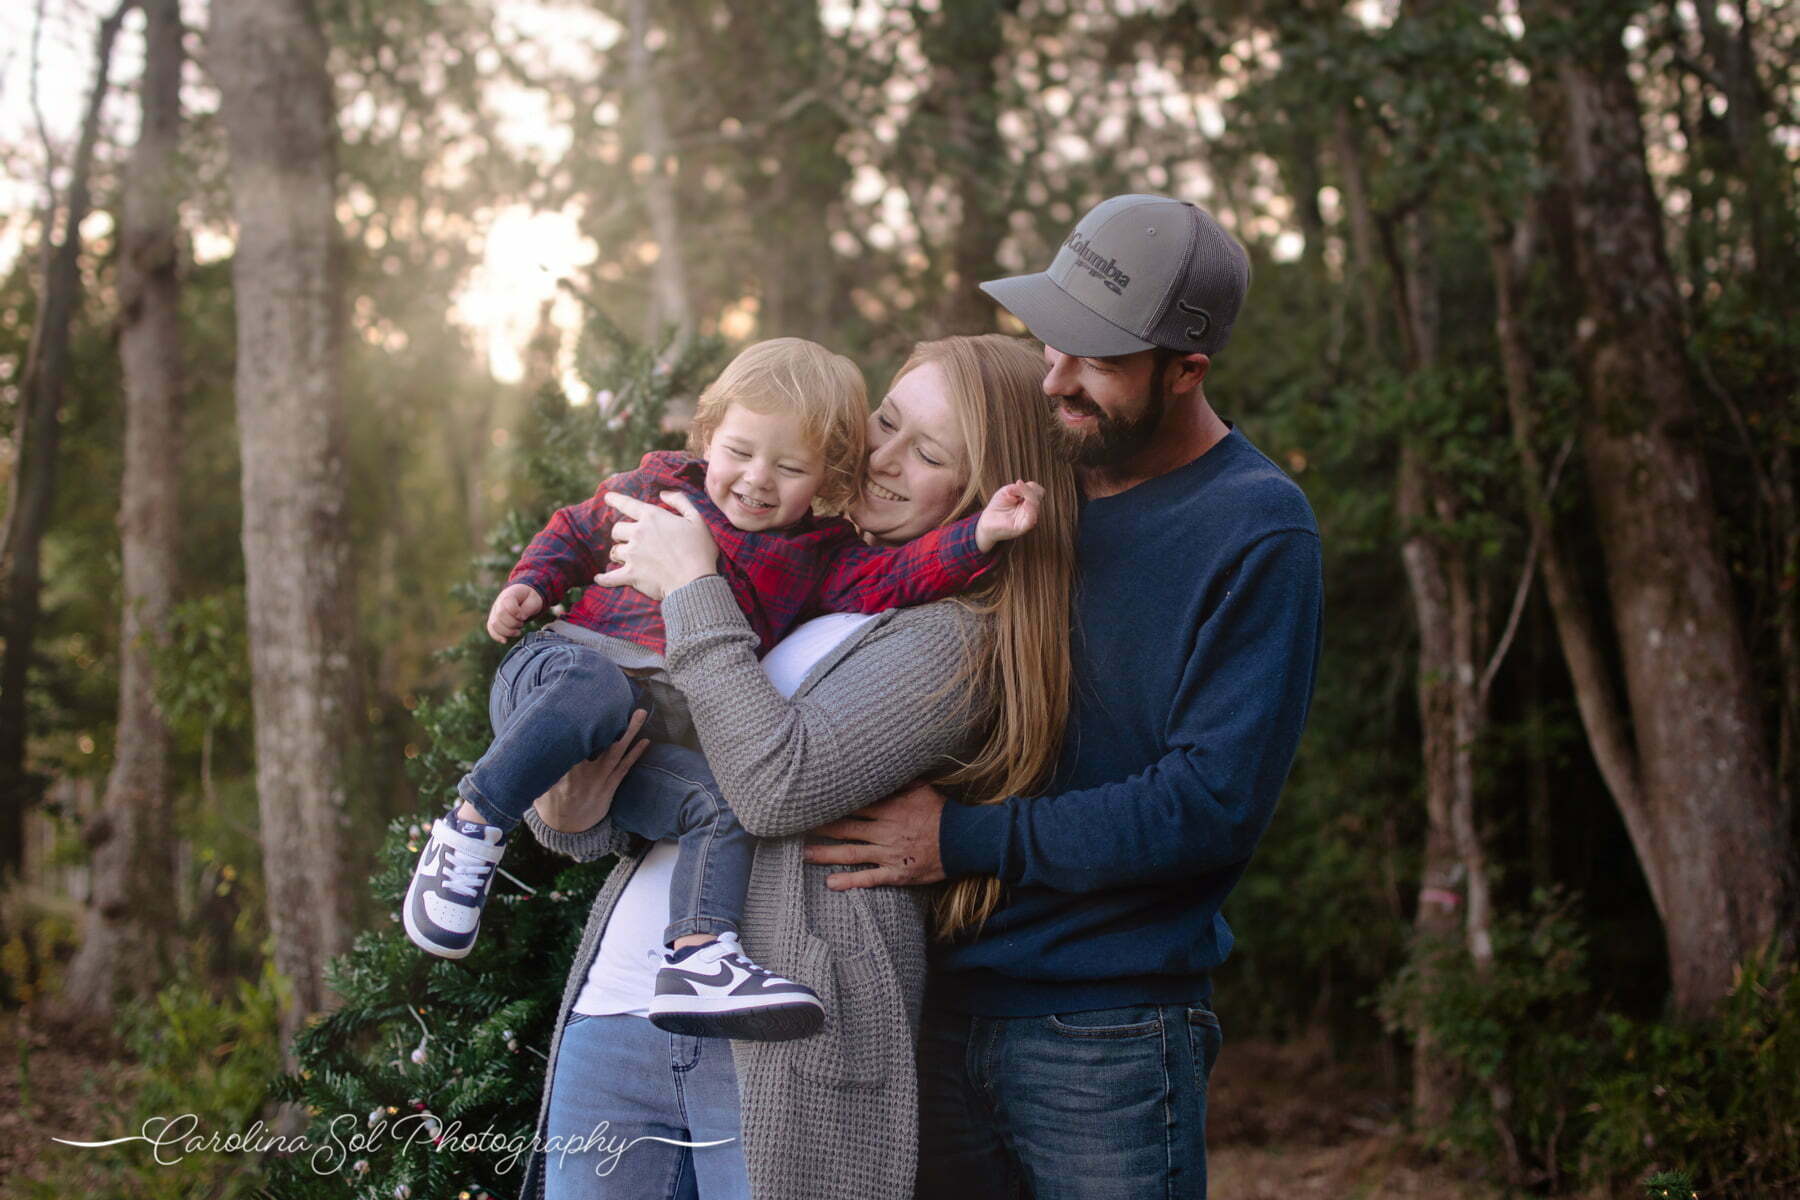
{"x": 1065, "y": 1049}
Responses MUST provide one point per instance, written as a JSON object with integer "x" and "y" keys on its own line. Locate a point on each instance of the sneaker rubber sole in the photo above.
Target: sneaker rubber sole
{"x": 772, "y": 1023}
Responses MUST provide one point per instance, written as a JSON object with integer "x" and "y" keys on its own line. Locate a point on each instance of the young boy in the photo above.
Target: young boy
{"x": 783, "y": 425}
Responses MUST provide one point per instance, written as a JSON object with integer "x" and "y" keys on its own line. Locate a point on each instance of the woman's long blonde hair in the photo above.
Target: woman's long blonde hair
{"x": 996, "y": 394}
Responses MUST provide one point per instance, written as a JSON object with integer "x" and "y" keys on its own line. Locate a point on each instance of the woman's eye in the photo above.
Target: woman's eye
{"x": 736, "y": 453}
{"x": 792, "y": 472}
{"x": 934, "y": 462}
{"x": 881, "y": 420}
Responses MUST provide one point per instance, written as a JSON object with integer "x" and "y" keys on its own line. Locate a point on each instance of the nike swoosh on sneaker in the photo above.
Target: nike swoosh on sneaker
{"x": 724, "y": 977}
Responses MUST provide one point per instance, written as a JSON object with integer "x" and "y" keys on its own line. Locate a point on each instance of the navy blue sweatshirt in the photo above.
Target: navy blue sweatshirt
{"x": 1196, "y": 642}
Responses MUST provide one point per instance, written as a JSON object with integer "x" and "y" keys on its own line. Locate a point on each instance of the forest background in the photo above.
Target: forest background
{"x": 310, "y": 312}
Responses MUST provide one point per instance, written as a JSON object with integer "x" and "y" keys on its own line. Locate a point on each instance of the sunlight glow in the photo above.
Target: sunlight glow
{"x": 524, "y": 254}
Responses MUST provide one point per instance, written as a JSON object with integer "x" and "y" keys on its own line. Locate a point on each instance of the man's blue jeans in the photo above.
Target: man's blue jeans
{"x": 555, "y": 702}
{"x": 620, "y": 1084}
{"x": 1101, "y": 1105}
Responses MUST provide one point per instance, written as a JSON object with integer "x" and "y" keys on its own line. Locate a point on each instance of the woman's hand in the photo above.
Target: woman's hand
{"x": 581, "y": 799}
{"x": 657, "y": 551}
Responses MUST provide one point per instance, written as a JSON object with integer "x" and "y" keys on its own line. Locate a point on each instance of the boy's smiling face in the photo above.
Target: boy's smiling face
{"x": 761, "y": 470}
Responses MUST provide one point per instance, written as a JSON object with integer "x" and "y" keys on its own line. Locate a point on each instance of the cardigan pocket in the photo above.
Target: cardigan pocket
{"x": 854, "y": 1048}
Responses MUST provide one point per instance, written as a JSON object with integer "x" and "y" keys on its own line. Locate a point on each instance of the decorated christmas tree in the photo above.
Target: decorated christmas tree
{"x": 426, "y": 1081}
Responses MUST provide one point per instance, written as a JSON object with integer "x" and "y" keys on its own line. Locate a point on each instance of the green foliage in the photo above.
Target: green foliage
{"x": 201, "y": 663}
{"x": 203, "y": 1057}
{"x": 429, "y": 1074}
{"x": 1521, "y": 1030}
{"x": 1719, "y": 1100}
{"x": 1670, "y": 1185}
{"x": 1564, "y": 1092}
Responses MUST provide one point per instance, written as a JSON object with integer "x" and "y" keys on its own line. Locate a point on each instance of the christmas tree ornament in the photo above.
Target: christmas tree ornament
{"x": 360, "y": 1166}
{"x": 419, "y": 1056}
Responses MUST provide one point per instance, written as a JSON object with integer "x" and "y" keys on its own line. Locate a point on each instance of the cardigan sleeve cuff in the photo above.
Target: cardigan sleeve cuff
{"x": 589, "y": 844}
{"x": 972, "y": 838}
{"x": 699, "y": 605}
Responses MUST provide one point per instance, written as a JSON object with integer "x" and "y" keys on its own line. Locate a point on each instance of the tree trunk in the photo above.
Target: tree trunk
{"x": 671, "y": 306}
{"x": 963, "y": 43}
{"x": 268, "y": 58}
{"x": 1712, "y": 835}
{"x": 126, "y": 923}
{"x": 37, "y": 435}
{"x": 1596, "y": 699}
{"x": 802, "y": 283}
{"x": 1454, "y": 899}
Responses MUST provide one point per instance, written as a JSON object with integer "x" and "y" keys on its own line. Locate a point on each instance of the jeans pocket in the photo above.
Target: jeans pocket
{"x": 506, "y": 675}
{"x": 1205, "y": 1037}
{"x": 1131, "y": 1021}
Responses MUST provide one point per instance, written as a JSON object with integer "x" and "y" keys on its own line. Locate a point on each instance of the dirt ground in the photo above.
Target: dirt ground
{"x": 55, "y": 1081}
{"x": 1283, "y": 1122}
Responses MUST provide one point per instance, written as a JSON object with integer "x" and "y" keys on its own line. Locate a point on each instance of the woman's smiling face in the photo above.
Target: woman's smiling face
{"x": 918, "y": 464}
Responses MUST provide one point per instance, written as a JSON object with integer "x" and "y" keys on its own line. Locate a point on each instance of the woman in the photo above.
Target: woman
{"x": 849, "y": 709}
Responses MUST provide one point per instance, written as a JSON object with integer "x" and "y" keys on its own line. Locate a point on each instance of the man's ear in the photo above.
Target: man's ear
{"x": 1186, "y": 373}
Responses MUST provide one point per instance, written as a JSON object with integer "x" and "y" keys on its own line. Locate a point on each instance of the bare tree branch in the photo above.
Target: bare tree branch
{"x": 1533, "y": 551}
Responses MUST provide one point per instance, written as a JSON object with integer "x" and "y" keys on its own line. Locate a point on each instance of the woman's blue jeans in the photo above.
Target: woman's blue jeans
{"x": 1102, "y": 1105}
{"x": 621, "y": 1084}
{"x": 555, "y": 702}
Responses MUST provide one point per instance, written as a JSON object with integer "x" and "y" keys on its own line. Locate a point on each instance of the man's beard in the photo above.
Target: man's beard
{"x": 1113, "y": 440}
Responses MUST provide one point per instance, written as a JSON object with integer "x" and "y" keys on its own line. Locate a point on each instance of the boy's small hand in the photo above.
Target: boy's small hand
{"x": 1011, "y": 513}
{"x": 516, "y": 604}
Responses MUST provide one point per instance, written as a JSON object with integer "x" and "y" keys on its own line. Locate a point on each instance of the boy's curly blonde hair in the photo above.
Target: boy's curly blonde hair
{"x": 793, "y": 375}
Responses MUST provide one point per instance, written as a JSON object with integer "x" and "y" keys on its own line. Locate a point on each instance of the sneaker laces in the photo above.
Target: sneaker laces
{"x": 736, "y": 953}
{"x": 464, "y": 874}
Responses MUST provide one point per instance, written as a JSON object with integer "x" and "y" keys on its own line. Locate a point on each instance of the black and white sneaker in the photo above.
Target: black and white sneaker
{"x": 714, "y": 990}
{"x": 450, "y": 885}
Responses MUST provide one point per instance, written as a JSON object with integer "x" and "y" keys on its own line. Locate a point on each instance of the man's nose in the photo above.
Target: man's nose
{"x": 1061, "y": 379}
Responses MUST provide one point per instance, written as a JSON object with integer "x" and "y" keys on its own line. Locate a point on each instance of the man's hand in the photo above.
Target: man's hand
{"x": 898, "y": 834}
{"x": 516, "y": 604}
{"x": 1011, "y": 513}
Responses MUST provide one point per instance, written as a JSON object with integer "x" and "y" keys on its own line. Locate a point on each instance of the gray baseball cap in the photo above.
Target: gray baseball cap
{"x": 1138, "y": 272}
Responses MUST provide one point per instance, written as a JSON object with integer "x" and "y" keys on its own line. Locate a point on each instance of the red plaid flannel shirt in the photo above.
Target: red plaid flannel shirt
{"x": 779, "y": 576}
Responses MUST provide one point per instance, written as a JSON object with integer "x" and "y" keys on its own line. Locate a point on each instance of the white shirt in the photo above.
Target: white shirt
{"x": 623, "y": 975}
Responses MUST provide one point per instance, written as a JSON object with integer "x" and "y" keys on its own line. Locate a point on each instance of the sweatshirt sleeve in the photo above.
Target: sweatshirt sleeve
{"x": 596, "y": 842}
{"x": 572, "y": 548}
{"x": 885, "y": 715}
{"x": 869, "y": 579}
{"x": 1205, "y": 803}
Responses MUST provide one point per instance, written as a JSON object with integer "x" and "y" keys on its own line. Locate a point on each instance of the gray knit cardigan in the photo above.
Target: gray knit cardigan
{"x": 833, "y": 1115}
